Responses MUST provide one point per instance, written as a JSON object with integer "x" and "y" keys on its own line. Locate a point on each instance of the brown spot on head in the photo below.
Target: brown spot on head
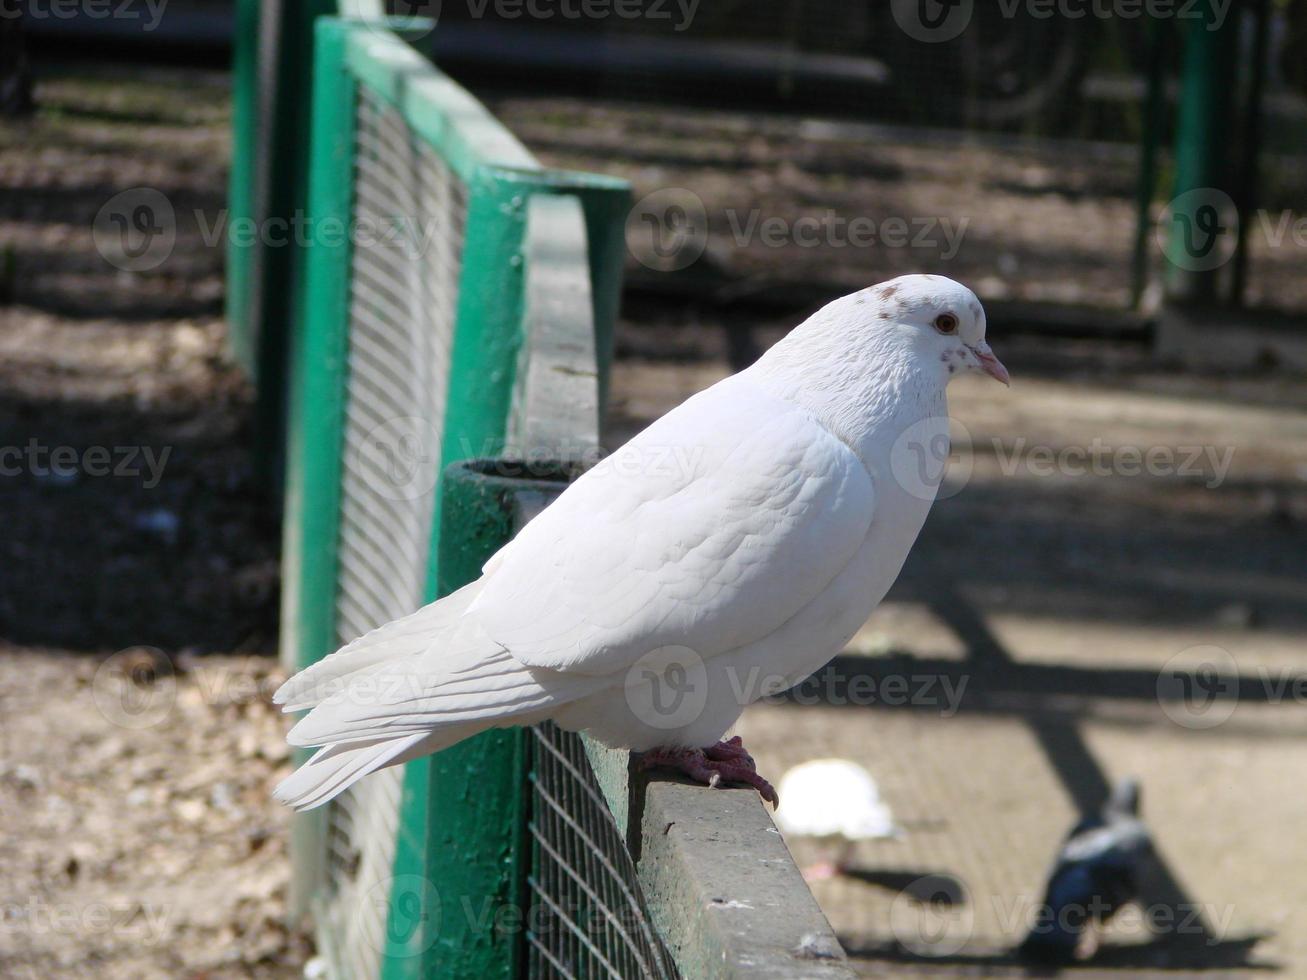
{"x": 887, "y": 292}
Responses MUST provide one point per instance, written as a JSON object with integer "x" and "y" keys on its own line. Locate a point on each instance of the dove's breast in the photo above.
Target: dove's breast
{"x": 704, "y": 698}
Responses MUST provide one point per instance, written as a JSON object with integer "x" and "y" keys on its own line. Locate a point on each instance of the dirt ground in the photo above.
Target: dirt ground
{"x": 138, "y": 601}
{"x": 137, "y": 622}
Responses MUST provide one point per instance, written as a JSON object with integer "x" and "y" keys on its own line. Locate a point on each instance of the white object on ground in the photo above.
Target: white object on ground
{"x": 833, "y": 797}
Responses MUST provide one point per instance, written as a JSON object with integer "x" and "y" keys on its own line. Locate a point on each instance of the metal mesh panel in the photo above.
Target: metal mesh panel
{"x": 588, "y": 917}
{"x": 407, "y": 233}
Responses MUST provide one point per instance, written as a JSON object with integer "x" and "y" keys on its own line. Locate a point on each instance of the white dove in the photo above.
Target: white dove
{"x": 724, "y": 554}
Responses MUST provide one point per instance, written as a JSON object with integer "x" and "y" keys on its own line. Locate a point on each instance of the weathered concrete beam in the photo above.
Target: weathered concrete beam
{"x": 723, "y": 891}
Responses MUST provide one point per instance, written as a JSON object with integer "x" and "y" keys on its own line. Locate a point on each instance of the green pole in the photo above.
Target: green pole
{"x": 1249, "y": 167}
{"x": 317, "y": 407}
{"x": 1202, "y": 134}
{"x": 605, "y": 207}
{"x": 1150, "y": 139}
{"x": 285, "y": 70}
{"x": 478, "y": 802}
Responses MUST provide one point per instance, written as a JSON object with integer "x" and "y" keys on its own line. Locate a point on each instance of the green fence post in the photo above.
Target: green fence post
{"x": 285, "y": 90}
{"x": 316, "y": 430}
{"x": 478, "y": 794}
{"x": 1249, "y": 178}
{"x": 606, "y": 205}
{"x": 1202, "y": 135}
{"x": 488, "y": 329}
{"x": 1149, "y": 140}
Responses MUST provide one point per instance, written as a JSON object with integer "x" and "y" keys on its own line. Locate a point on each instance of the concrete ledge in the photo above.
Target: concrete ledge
{"x": 722, "y": 889}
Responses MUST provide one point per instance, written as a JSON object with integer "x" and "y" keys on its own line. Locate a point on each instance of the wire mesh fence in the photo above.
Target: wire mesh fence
{"x": 408, "y": 212}
{"x": 589, "y": 916}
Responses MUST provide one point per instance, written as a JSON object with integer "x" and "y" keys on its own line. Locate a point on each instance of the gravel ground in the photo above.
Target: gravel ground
{"x": 138, "y": 609}
{"x": 140, "y": 841}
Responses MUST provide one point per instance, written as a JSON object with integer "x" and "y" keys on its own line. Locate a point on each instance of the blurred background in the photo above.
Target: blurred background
{"x": 1111, "y": 586}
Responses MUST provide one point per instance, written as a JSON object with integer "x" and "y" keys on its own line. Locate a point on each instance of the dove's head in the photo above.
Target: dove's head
{"x": 881, "y": 352}
{"x": 939, "y": 320}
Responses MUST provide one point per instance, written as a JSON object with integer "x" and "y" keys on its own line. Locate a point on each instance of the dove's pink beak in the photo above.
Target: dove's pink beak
{"x": 990, "y": 364}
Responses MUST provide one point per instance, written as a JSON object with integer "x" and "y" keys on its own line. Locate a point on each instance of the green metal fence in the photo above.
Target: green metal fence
{"x": 448, "y": 278}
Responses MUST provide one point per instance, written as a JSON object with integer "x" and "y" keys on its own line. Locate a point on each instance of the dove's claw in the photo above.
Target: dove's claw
{"x": 725, "y": 762}
{"x": 732, "y": 750}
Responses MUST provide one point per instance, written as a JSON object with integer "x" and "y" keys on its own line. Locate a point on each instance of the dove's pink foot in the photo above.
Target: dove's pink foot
{"x": 725, "y": 762}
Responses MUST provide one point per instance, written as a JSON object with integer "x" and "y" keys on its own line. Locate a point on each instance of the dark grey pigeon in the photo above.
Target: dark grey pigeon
{"x": 1097, "y": 872}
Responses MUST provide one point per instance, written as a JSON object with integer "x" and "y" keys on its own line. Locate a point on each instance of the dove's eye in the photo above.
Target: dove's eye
{"x": 946, "y": 323}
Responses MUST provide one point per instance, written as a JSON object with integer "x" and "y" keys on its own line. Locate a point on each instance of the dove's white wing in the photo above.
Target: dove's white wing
{"x": 708, "y": 530}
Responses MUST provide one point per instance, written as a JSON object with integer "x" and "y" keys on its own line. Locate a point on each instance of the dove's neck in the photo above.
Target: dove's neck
{"x": 865, "y": 397}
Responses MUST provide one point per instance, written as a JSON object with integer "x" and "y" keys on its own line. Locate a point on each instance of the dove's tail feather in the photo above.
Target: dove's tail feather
{"x": 411, "y": 635}
{"x": 335, "y": 768}
{"x": 468, "y": 687}
{"x": 406, "y": 690}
